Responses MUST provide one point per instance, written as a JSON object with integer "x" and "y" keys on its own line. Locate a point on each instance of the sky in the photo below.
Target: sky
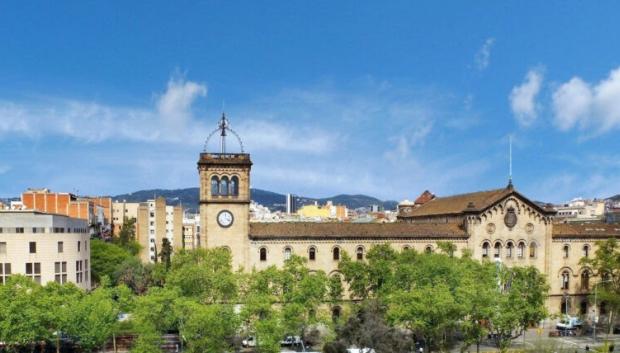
{"x": 381, "y": 98}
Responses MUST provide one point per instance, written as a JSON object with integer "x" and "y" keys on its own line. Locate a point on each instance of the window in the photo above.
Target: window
{"x": 60, "y": 272}
{"x": 86, "y": 270}
{"x": 586, "y": 250}
{"x": 312, "y": 253}
{"x": 234, "y": 186}
{"x": 5, "y": 272}
{"x": 565, "y": 250}
{"x": 3, "y": 248}
{"x": 406, "y": 247}
{"x": 485, "y": 249}
{"x": 19, "y": 230}
{"x": 336, "y": 313}
{"x": 215, "y": 186}
{"x": 61, "y": 247}
{"x": 520, "y": 249}
{"x": 78, "y": 271}
{"x": 359, "y": 252}
{"x": 224, "y": 186}
{"x": 33, "y": 247}
{"x": 79, "y": 246}
{"x": 497, "y": 250}
{"x": 287, "y": 253}
{"x": 263, "y": 254}
{"x": 336, "y": 253}
{"x": 509, "y": 248}
{"x": 533, "y": 250}
{"x": 565, "y": 279}
{"x": 428, "y": 249}
{"x": 585, "y": 280}
{"x": 33, "y": 270}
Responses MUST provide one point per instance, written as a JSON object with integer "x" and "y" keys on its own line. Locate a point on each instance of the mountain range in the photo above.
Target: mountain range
{"x": 274, "y": 201}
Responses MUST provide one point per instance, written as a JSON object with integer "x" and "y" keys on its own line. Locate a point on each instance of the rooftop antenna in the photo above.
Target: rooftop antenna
{"x": 510, "y": 161}
{"x": 223, "y": 127}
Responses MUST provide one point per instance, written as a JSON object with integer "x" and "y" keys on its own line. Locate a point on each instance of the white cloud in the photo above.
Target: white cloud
{"x": 523, "y": 98}
{"x": 483, "y": 56}
{"x": 4, "y": 168}
{"x": 595, "y": 108}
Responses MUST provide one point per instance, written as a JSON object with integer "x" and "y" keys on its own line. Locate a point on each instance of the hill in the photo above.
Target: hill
{"x": 189, "y": 198}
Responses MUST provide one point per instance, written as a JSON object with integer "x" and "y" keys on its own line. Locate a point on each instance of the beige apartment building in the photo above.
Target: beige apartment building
{"x": 45, "y": 247}
{"x": 122, "y": 211}
{"x": 499, "y": 225}
{"x": 157, "y": 221}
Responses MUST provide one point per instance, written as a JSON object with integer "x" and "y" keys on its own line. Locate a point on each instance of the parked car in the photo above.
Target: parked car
{"x": 249, "y": 342}
{"x": 360, "y": 350}
{"x": 569, "y": 323}
{"x": 291, "y": 341}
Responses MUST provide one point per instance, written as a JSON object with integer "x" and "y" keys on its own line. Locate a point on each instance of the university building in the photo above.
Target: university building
{"x": 499, "y": 225}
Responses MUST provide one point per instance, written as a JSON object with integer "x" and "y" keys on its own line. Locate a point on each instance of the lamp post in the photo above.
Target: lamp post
{"x": 596, "y": 308}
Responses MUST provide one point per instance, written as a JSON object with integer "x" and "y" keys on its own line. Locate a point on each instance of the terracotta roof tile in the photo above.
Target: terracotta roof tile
{"x": 307, "y": 230}
{"x": 425, "y": 197}
{"x": 593, "y": 230}
{"x": 457, "y": 204}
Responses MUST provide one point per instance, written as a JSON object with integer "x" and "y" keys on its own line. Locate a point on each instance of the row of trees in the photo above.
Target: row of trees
{"x": 399, "y": 298}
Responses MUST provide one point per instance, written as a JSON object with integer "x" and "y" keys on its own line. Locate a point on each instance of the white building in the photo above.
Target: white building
{"x": 580, "y": 210}
{"x": 45, "y": 247}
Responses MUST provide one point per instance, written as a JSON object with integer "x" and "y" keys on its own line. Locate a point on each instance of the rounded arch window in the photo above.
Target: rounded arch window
{"x": 336, "y": 313}
{"x": 359, "y": 253}
{"x": 586, "y": 250}
{"x": 406, "y": 247}
{"x": 565, "y": 279}
{"x": 336, "y": 253}
{"x": 224, "y": 186}
{"x": 485, "y": 249}
{"x": 497, "y": 250}
{"x": 312, "y": 253}
{"x": 215, "y": 186}
{"x": 509, "y": 248}
{"x": 533, "y": 248}
{"x": 287, "y": 253}
{"x": 263, "y": 254}
{"x": 565, "y": 250}
{"x": 234, "y": 186}
{"x": 428, "y": 249}
{"x": 520, "y": 249}
{"x": 585, "y": 280}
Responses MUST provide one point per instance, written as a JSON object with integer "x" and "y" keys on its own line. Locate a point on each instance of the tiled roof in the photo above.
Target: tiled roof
{"x": 458, "y": 204}
{"x": 425, "y": 197}
{"x": 591, "y": 230}
{"x": 307, "y": 230}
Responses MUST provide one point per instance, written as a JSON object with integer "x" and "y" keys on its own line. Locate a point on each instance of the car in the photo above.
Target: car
{"x": 569, "y": 323}
{"x": 360, "y": 350}
{"x": 291, "y": 341}
{"x": 249, "y": 342}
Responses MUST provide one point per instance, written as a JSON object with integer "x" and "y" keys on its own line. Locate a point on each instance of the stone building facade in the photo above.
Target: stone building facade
{"x": 499, "y": 225}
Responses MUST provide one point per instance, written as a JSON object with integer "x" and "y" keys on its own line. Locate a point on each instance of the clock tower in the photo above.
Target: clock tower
{"x": 225, "y": 197}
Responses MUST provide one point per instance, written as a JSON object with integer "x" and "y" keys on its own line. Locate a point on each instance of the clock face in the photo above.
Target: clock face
{"x": 225, "y": 218}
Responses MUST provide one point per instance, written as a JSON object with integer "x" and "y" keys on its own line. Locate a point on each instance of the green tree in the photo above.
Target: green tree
{"x": 94, "y": 318}
{"x": 165, "y": 254}
{"x": 153, "y": 314}
{"x": 447, "y": 247}
{"x": 207, "y": 328}
{"x": 106, "y": 259}
{"x": 606, "y": 265}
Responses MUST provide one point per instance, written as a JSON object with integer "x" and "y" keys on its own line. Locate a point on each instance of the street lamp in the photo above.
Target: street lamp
{"x": 596, "y": 308}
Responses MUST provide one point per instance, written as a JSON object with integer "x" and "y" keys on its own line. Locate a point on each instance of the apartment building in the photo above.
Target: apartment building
{"x": 45, "y": 247}
{"x": 191, "y": 231}
{"x": 156, "y": 221}
{"x": 122, "y": 211}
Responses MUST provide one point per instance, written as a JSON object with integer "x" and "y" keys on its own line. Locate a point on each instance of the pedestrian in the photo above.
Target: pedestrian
{"x": 587, "y": 348}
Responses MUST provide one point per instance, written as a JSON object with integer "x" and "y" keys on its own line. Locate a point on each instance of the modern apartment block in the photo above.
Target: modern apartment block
{"x": 122, "y": 211}
{"x": 45, "y": 247}
{"x": 156, "y": 221}
{"x": 191, "y": 231}
{"x": 92, "y": 209}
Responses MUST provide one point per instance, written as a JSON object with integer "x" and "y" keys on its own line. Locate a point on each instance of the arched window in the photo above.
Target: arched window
{"x": 565, "y": 279}
{"x": 533, "y": 249}
{"x": 586, "y": 250}
{"x": 406, "y": 247}
{"x": 520, "y": 249}
{"x": 263, "y": 254}
{"x": 585, "y": 280}
{"x": 336, "y": 253}
{"x": 583, "y": 307}
{"x": 509, "y": 247}
{"x": 287, "y": 253}
{"x": 224, "y": 186}
{"x": 336, "y": 313}
{"x": 497, "y": 250}
{"x": 428, "y": 249}
{"x": 485, "y": 249}
{"x": 234, "y": 186}
{"x": 215, "y": 186}
{"x": 312, "y": 253}
{"x": 565, "y": 251}
{"x": 359, "y": 252}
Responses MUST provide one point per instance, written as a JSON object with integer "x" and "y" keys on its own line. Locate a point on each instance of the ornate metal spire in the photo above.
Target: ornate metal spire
{"x": 223, "y": 128}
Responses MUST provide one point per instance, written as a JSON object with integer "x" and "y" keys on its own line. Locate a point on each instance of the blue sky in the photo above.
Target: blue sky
{"x": 382, "y": 98}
